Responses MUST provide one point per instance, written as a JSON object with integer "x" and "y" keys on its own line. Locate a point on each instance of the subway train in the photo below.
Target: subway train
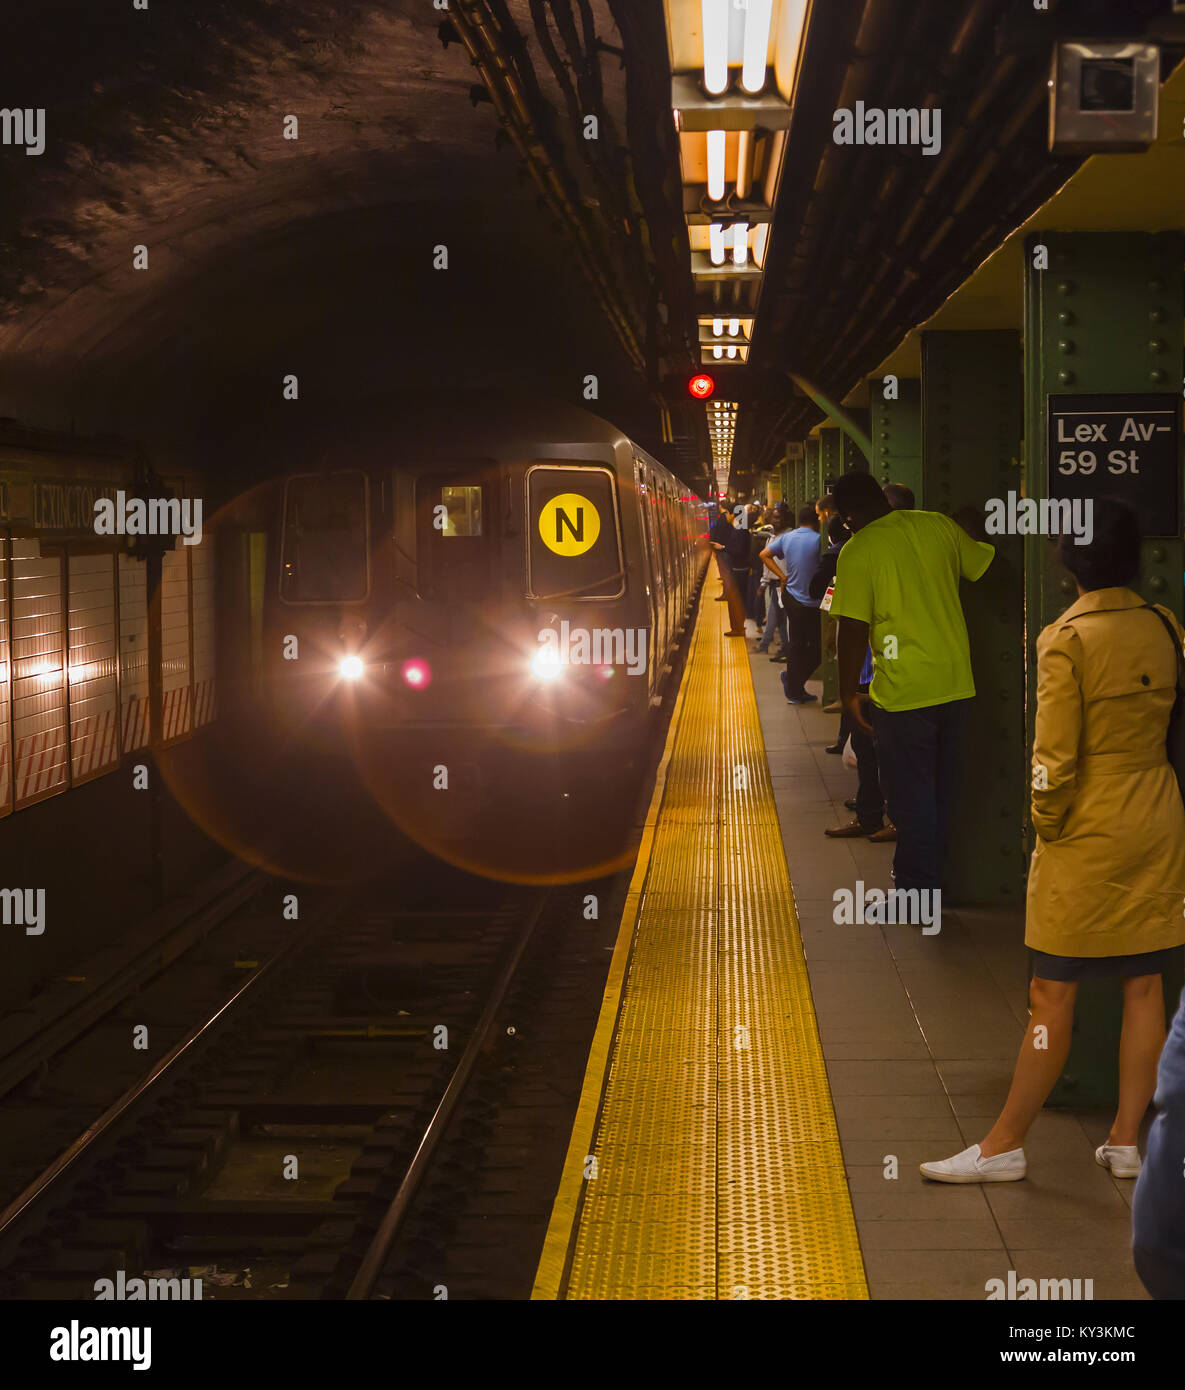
{"x": 485, "y": 601}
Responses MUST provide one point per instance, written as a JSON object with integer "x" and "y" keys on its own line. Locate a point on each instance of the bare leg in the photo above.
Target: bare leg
{"x": 1042, "y": 1056}
{"x": 1139, "y": 1051}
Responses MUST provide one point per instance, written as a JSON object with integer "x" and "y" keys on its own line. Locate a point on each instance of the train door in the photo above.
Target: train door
{"x": 653, "y": 572}
{"x": 452, "y": 542}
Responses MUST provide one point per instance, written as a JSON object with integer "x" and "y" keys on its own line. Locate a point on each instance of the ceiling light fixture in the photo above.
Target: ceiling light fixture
{"x": 714, "y": 27}
{"x": 758, "y": 14}
{"x": 740, "y": 243}
{"x": 716, "y": 152}
{"x": 716, "y": 242}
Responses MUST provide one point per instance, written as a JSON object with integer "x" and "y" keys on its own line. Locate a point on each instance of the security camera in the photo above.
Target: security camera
{"x": 1104, "y": 97}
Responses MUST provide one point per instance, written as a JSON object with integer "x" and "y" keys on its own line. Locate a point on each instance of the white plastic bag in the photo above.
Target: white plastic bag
{"x": 849, "y": 756}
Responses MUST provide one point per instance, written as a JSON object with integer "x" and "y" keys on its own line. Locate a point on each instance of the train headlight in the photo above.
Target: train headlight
{"x": 350, "y": 667}
{"x": 546, "y": 664}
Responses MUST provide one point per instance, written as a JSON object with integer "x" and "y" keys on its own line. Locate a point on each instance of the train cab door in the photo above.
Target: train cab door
{"x": 453, "y": 550}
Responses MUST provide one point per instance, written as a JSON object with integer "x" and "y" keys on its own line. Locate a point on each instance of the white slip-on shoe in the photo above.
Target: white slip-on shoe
{"x": 1123, "y": 1160}
{"x": 971, "y": 1166}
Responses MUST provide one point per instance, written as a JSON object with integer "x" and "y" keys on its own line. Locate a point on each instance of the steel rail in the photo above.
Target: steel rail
{"x": 371, "y": 1266}
{"x": 20, "y": 1206}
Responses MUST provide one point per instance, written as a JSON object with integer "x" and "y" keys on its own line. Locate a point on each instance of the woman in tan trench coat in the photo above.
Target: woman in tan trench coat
{"x": 1107, "y": 880}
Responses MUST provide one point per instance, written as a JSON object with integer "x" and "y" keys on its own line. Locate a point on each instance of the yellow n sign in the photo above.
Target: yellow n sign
{"x": 569, "y": 524}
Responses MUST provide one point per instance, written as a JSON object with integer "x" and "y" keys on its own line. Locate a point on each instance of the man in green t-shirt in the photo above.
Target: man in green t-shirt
{"x": 897, "y": 588}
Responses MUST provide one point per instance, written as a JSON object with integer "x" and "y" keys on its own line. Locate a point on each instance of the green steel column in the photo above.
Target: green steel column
{"x": 971, "y": 407}
{"x": 1103, "y": 319}
{"x": 813, "y": 472}
{"x": 897, "y": 434}
{"x": 852, "y": 458}
{"x": 830, "y": 457}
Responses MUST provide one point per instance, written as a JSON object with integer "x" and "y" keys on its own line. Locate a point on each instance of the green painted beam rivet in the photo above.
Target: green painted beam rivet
{"x": 1156, "y": 315}
{"x": 1066, "y": 346}
{"x": 1066, "y": 587}
{"x": 1066, "y": 377}
{"x": 1156, "y": 285}
{"x": 1065, "y": 287}
{"x": 1157, "y": 345}
{"x": 1066, "y": 317}
{"x": 1156, "y": 583}
{"x": 1159, "y": 376}
{"x": 1158, "y": 554}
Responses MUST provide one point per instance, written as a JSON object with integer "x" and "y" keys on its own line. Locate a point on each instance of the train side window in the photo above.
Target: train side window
{"x": 325, "y": 546}
{"x": 574, "y": 547}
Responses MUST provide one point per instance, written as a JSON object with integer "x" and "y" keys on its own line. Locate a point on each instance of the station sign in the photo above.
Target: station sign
{"x": 1125, "y": 446}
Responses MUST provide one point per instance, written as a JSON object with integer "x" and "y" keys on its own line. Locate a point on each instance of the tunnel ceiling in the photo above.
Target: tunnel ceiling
{"x": 567, "y": 257}
{"x": 314, "y": 256}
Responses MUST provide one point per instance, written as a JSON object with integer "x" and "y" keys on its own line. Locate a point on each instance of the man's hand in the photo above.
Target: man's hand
{"x": 715, "y": 545}
{"x": 856, "y": 705}
{"x": 851, "y": 644}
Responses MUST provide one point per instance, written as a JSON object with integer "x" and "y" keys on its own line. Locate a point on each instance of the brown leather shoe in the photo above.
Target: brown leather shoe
{"x": 885, "y": 835}
{"x": 742, "y": 633}
{"x": 852, "y": 831}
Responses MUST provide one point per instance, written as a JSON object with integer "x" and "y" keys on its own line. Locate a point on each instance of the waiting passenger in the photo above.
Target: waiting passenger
{"x": 1158, "y": 1203}
{"x": 897, "y": 588}
{"x": 758, "y": 539}
{"x": 775, "y": 614}
{"x": 1108, "y": 872}
{"x": 732, "y": 557}
{"x": 799, "y": 552}
{"x": 825, "y": 509}
{"x": 869, "y": 803}
{"x": 837, "y": 534}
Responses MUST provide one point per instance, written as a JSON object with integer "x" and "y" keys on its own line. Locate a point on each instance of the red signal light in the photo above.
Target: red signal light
{"x": 701, "y": 386}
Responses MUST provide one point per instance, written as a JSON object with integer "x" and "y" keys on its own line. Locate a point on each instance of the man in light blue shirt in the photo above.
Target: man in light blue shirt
{"x": 798, "y": 552}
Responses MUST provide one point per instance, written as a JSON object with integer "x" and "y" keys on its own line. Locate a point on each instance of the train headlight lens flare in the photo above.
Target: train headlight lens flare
{"x": 546, "y": 664}
{"x": 417, "y": 674}
{"x": 350, "y": 667}
{"x": 701, "y": 386}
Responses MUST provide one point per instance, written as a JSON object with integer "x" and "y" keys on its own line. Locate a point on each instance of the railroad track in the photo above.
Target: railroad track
{"x": 324, "y": 1131}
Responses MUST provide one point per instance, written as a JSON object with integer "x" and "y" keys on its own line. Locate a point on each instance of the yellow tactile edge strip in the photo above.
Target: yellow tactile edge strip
{"x": 723, "y": 1174}
{"x": 562, "y": 1226}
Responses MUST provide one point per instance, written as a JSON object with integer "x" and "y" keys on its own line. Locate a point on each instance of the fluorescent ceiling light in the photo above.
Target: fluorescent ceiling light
{"x": 718, "y": 327}
{"x": 717, "y": 351}
{"x": 757, "y": 17}
{"x": 740, "y": 243}
{"x": 715, "y": 35}
{"x": 716, "y": 242}
{"x": 716, "y": 150}
{"x": 734, "y": 327}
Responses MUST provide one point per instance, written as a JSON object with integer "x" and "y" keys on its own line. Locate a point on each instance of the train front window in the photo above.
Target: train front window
{"x": 324, "y": 557}
{"x": 574, "y": 548}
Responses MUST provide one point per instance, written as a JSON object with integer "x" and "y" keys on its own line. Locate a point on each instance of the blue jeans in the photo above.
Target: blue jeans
{"x": 919, "y": 756}
{"x": 1158, "y": 1204}
{"x": 774, "y": 618}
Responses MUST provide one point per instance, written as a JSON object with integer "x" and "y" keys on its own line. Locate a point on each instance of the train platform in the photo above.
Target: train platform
{"x": 764, "y": 1081}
